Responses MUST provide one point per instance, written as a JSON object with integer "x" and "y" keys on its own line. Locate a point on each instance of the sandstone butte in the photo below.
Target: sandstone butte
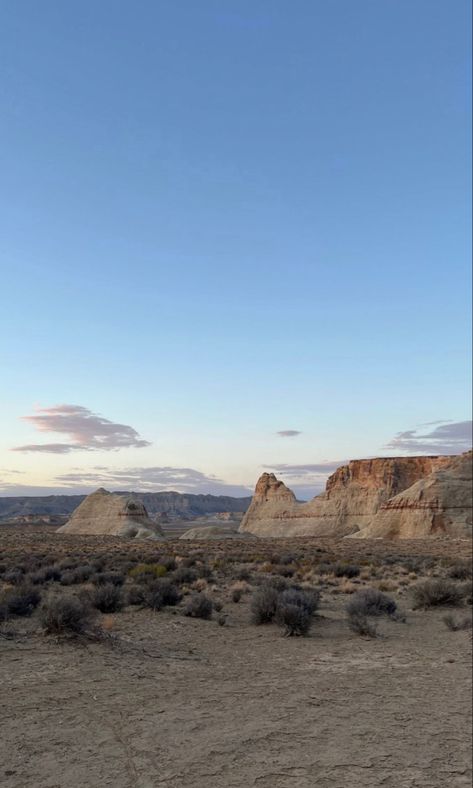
{"x": 107, "y": 514}
{"x": 388, "y": 497}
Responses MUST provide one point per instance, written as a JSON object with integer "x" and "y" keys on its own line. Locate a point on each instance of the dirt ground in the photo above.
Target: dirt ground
{"x": 178, "y": 702}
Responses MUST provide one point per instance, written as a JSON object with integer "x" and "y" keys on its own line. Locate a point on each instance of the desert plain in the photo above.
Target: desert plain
{"x": 152, "y": 696}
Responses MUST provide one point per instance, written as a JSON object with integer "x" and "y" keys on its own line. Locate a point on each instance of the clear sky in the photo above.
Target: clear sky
{"x": 225, "y": 220}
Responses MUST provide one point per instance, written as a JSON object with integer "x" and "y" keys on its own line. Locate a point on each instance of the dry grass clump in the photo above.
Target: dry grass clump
{"x": 457, "y": 624}
{"x": 437, "y": 592}
{"x": 361, "y": 625}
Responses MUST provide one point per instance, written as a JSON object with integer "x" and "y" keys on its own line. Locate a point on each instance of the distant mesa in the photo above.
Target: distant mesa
{"x": 387, "y": 497}
{"x": 107, "y": 514}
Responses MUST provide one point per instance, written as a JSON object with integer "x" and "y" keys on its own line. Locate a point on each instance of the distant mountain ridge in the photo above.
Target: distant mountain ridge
{"x": 173, "y": 504}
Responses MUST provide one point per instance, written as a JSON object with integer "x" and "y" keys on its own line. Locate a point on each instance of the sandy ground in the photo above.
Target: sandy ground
{"x": 184, "y": 703}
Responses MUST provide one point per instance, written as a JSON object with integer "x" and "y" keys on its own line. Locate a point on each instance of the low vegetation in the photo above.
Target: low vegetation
{"x": 67, "y": 616}
{"x": 438, "y": 592}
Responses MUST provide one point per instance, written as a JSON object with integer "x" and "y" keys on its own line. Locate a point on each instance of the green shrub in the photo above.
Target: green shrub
{"x": 146, "y": 571}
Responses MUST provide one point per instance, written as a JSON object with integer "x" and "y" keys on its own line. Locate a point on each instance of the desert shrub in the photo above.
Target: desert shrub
{"x": 20, "y": 601}
{"x": 162, "y": 593}
{"x": 107, "y": 598}
{"x": 218, "y": 606}
{"x": 308, "y": 600}
{"x": 184, "y": 575}
{"x": 276, "y": 582}
{"x": 45, "y": 575}
{"x": 436, "y": 592}
{"x": 136, "y": 595}
{"x": 284, "y": 570}
{"x": 66, "y": 615}
{"x": 204, "y": 571}
{"x": 243, "y": 573}
{"x": 294, "y": 618}
{"x": 264, "y": 604}
{"x": 14, "y": 576}
{"x": 462, "y": 570}
{"x": 199, "y": 606}
{"x": 346, "y": 570}
{"x": 67, "y": 563}
{"x": 188, "y": 561}
{"x": 222, "y": 620}
{"x": 236, "y": 594}
{"x": 146, "y": 572}
{"x": 371, "y": 602}
{"x": 456, "y": 624}
{"x": 108, "y": 579}
{"x": 361, "y": 625}
{"x": 77, "y": 575}
{"x": 324, "y": 568}
{"x": 467, "y": 592}
{"x": 169, "y": 562}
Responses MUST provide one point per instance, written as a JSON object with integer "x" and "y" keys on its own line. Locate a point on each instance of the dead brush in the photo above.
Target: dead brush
{"x": 457, "y": 624}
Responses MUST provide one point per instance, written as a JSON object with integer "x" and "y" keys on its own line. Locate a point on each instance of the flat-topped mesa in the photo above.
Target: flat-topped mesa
{"x": 438, "y": 504}
{"x": 104, "y": 513}
{"x": 389, "y": 474}
{"x": 353, "y": 496}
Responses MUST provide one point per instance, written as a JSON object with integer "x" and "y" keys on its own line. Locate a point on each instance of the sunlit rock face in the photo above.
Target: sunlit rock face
{"x": 354, "y": 496}
{"x": 438, "y": 504}
{"x": 103, "y": 513}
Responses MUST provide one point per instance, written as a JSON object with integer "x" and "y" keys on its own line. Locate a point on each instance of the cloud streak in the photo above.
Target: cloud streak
{"x": 288, "y": 433}
{"x": 453, "y": 437}
{"x": 87, "y": 431}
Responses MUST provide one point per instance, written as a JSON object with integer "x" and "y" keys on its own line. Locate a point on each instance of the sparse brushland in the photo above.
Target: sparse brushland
{"x": 232, "y": 630}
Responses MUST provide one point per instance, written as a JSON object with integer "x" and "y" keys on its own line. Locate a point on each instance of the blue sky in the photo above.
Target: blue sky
{"x": 225, "y": 220}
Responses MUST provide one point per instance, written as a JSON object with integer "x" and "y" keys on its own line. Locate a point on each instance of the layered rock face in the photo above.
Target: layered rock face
{"x": 103, "y": 513}
{"x": 353, "y": 496}
{"x": 439, "y": 504}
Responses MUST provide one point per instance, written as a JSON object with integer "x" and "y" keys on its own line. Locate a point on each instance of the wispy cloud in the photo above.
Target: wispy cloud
{"x": 452, "y": 437}
{"x": 87, "y": 431}
{"x": 150, "y": 479}
{"x": 288, "y": 433}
